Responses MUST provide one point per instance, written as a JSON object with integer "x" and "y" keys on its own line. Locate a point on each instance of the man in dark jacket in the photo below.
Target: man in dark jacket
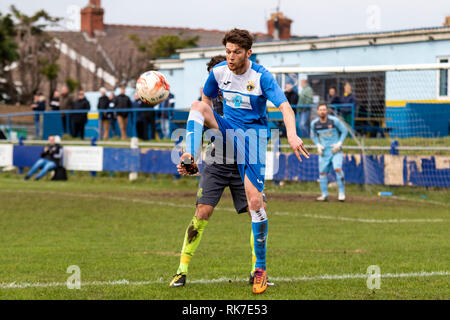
{"x": 166, "y": 115}
{"x": 65, "y": 104}
{"x": 50, "y": 159}
{"x": 103, "y": 105}
{"x": 291, "y": 95}
{"x": 123, "y": 102}
{"x": 333, "y": 98}
{"x": 79, "y": 120}
{"x": 38, "y": 106}
{"x": 54, "y": 101}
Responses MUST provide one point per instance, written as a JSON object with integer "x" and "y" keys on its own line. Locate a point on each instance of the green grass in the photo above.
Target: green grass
{"x": 114, "y": 229}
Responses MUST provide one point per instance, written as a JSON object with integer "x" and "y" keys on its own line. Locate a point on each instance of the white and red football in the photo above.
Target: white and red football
{"x": 152, "y": 87}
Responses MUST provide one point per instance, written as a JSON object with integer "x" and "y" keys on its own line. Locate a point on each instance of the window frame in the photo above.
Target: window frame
{"x": 438, "y": 82}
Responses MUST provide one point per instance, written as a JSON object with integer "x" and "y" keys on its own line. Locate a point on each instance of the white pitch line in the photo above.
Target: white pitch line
{"x": 316, "y": 216}
{"x": 25, "y": 285}
{"x": 187, "y": 206}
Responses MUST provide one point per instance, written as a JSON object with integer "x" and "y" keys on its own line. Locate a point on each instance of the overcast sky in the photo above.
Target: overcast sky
{"x": 311, "y": 17}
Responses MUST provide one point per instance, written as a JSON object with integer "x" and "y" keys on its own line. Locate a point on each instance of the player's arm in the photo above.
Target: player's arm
{"x": 207, "y": 100}
{"x": 343, "y": 134}
{"x": 289, "y": 121}
{"x": 315, "y": 139}
{"x": 210, "y": 89}
{"x": 274, "y": 94}
{"x": 342, "y": 129}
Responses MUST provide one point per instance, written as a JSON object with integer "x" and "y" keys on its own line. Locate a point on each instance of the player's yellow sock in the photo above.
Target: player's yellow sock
{"x": 192, "y": 239}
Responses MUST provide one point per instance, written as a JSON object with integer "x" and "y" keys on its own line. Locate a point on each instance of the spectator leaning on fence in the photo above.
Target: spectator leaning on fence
{"x": 137, "y": 103}
{"x": 348, "y": 98}
{"x": 112, "y": 116}
{"x": 50, "y": 158}
{"x": 305, "y": 100}
{"x": 38, "y": 106}
{"x": 333, "y": 98}
{"x": 166, "y": 115}
{"x": 123, "y": 102}
{"x": 65, "y": 104}
{"x": 54, "y": 101}
{"x": 291, "y": 95}
{"x": 79, "y": 120}
{"x": 103, "y": 105}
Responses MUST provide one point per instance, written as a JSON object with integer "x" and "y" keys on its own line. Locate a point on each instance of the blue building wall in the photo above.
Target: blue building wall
{"x": 187, "y": 82}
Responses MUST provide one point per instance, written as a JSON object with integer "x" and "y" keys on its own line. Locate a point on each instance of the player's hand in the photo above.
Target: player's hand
{"x": 181, "y": 170}
{"x": 320, "y": 149}
{"x": 297, "y": 146}
{"x": 336, "y": 147}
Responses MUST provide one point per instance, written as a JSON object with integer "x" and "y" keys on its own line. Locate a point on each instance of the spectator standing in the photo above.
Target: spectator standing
{"x": 38, "y": 106}
{"x": 54, "y": 101}
{"x": 123, "y": 102}
{"x": 50, "y": 158}
{"x": 79, "y": 120}
{"x": 305, "y": 100}
{"x": 166, "y": 115}
{"x": 348, "y": 98}
{"x": 103, "y": 105}
{"x": 112, "y": 115}
{"x": 333, "y": 98}
{"x": 137, "y": 103}
{"x": 291, "y": 95}
{"x": 66, "y": 104}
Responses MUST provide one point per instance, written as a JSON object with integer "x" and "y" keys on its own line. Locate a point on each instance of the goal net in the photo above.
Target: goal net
{"x": 398, "y": 118}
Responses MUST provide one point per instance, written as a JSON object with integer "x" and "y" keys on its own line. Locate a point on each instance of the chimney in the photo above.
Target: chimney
{"x": 92, "y": 18}
{"x": 279, "y": 26}
{"x": 447, "y": 21}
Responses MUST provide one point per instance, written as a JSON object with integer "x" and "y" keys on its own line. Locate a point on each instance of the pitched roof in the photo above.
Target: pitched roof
{"x": 83, "y": 45}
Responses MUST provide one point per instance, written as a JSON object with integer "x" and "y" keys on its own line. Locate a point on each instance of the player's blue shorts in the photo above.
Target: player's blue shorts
{"x": 251, "y": 154}
{"x": 330, "y": 161}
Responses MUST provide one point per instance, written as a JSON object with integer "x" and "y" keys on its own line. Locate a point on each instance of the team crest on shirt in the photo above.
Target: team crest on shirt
{"x": 330, "y": 126}
{"x": 250, "y": 86}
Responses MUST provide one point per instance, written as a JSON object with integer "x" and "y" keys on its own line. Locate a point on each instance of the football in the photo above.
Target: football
{"x": 152, "y": 87}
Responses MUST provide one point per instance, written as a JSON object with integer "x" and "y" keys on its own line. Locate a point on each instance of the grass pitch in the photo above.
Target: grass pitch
{"x": 125, "y": 238}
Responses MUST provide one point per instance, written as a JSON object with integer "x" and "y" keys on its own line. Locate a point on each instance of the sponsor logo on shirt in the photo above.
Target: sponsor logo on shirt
{"x": 250, "y": 86}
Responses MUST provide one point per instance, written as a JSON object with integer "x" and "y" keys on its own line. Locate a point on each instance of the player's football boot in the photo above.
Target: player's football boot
{"x": 179, "y": 280}
{"x": 341, "y": 197}
{"x": 251, "y": 279}
{"x": 260, "y": 281}
{"x": 187, "y": 162}
{"x": 322, "y": 198}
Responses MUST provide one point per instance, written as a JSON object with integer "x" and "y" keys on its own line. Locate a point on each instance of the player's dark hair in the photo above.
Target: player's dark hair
{"x": 322, "y": 103}
{"x": 242, "y": 38}
{"x": 215, "y": 60}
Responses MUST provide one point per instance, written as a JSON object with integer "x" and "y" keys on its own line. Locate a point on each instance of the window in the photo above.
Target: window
{"x": 443, "y": 80}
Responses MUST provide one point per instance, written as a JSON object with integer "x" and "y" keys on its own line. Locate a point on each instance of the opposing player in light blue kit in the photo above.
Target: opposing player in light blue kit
{"x": 328, "y": 134}
{"x": 246, "y": 87}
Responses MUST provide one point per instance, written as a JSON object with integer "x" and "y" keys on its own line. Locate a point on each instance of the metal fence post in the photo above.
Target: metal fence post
{"x": 93, "y": 143}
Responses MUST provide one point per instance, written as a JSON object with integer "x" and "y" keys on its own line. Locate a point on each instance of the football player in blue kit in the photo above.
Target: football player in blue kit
{"x": 245, "y": 87}
{"x": 328, "y": 134}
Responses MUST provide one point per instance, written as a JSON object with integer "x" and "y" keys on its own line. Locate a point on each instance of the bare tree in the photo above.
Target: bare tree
{"x": 37, "y": 53}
